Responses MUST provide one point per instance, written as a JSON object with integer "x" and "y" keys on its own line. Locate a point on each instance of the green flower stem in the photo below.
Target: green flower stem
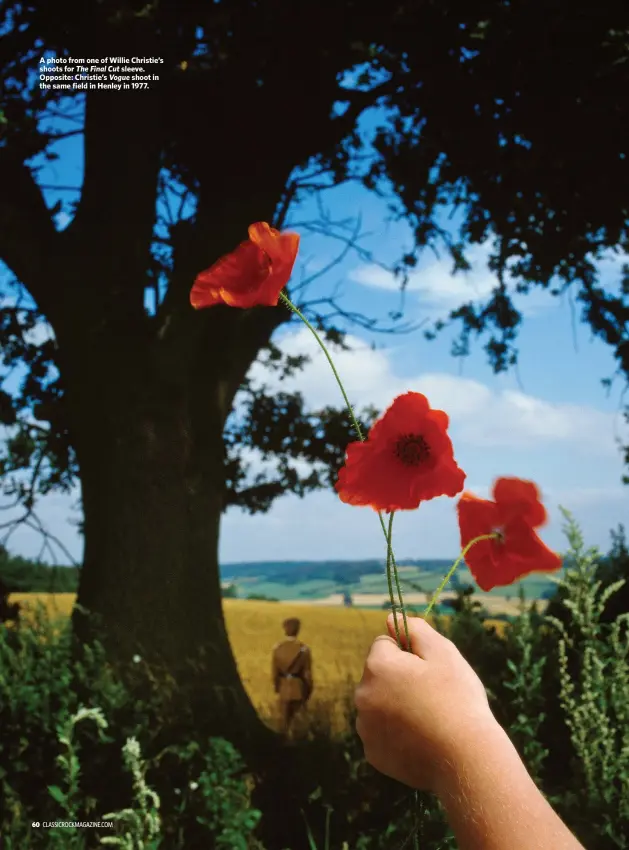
{"x": 389, "y": 579}
{"x": 392, "y": 563}
{"x": 312, "y": 330}
{"x": 452, "y": 569}
{"x": 387, "y": 534}
{"x": 401, "y": 606}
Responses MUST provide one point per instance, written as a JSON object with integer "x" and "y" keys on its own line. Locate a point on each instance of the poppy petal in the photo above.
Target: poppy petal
{"x": 263, "y": 235}
{"x": 476, "y": 516}
{"x": 234, "y": 279}
{"x": 515, "y": 496}
{"x": 401, "y": 416}
{"x": 519, "y": 551}
{"x": 406, "y": 459}
{"x": 282, "y": 249}
{"x": 365, "y": 479}
{"x": 253, "y": 274}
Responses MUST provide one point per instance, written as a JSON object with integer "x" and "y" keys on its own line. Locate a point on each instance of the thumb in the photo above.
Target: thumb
{"x": 424, "y": 639}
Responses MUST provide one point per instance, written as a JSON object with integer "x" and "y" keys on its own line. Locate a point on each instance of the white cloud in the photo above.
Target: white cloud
{"x": 513, "y": 419}
{"x": 40, "y": 333}
{"x": 439, "y": 291}
{"x": 259, "y": 465}
{"x": 365, "y": 373}
{"x": 480, "y": 415}
{"x": 42, "y": 330}
{"x": 63, "y": 219}
{"x": 435, "y": 280}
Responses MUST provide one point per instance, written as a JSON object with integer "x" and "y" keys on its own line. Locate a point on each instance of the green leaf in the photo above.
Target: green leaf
{"x": 57, "y": 794}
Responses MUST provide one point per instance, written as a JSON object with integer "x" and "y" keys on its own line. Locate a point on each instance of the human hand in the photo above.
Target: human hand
{"x": 418, "y": 712}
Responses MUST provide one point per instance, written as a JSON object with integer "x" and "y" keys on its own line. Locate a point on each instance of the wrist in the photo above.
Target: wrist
{"x": 483, "y": 745}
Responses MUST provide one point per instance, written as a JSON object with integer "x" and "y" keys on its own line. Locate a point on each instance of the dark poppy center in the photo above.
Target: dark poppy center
{"x": 412, "y": 449}
{"x": 500, "y": 534}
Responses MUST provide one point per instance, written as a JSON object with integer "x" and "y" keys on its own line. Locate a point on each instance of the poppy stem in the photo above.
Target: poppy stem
{"x": 392, "y": 562}
{"x": 298, "y": 313}
{"x": 402, "y": 607}
{"x": 451, "y": 571}
{"x": 390, "y": 580}
{"x": 387, "y": 535}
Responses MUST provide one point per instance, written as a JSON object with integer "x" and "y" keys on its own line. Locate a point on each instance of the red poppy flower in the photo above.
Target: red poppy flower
{"x": 253, "y": 274}
{"x": 515, "y": 513}
{"x": 406, "y": 459}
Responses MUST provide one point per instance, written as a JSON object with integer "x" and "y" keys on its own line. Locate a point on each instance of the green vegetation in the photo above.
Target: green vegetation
{"x": 82, "y": 740}
{"x": 21, "y": 575}
{"x": 260, "y": 597}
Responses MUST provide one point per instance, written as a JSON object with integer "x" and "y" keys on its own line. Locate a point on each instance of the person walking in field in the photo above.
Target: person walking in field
{"x": 291, "y": 674}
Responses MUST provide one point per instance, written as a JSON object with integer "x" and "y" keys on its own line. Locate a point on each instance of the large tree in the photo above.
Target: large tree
{"x": 511, "y": 111}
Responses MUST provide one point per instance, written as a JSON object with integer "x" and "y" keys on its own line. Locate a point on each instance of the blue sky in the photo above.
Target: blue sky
{"x": 552, "y": 422}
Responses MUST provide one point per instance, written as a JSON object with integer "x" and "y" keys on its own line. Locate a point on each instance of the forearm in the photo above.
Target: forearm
{"x": 493, "y": 804}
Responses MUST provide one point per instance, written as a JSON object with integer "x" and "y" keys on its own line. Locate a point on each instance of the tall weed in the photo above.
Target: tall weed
{"x": 594, "y": 694}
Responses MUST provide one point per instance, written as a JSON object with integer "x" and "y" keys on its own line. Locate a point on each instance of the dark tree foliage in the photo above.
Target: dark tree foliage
{"x": 230, "y": 592}
{"x": 512, "y": 112}
{"x": 8, "y": 610}
{"x": 21, "y": 575}
{"x": 523, "y": 128}
{"x": 463, "y": 603}
{"x": 615, "y": 567}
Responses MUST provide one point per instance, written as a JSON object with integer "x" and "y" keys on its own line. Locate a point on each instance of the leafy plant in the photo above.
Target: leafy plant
{"x": 218, "y": 796}
{"x": 525, "y": 685}
{"x": 594, "y": 693}
{"x": 68, "y": 798}
{"x": 142, "y": 824}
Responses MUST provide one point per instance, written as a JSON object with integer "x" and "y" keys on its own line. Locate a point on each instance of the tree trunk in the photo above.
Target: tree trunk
{"x": 149, "y": 439}
{"x": 147, "y": 397}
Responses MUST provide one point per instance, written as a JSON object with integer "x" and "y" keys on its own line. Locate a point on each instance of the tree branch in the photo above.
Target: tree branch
{"x": 27, "y": 233}
{"x": 351, "y": 240}
{"x": 32, "y": 521}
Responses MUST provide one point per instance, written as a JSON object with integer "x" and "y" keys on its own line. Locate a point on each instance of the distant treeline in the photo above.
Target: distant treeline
{"x": 21, "y": 575}
{"x": 231, "y": 591}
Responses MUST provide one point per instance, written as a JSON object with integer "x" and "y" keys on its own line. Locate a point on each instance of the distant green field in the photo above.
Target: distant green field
{"x": 314, "y": 589}
{"x": 535, "y": 586}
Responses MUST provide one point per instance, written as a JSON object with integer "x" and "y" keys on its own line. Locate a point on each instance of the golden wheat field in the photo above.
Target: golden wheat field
{"x": 339, "y": 639}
